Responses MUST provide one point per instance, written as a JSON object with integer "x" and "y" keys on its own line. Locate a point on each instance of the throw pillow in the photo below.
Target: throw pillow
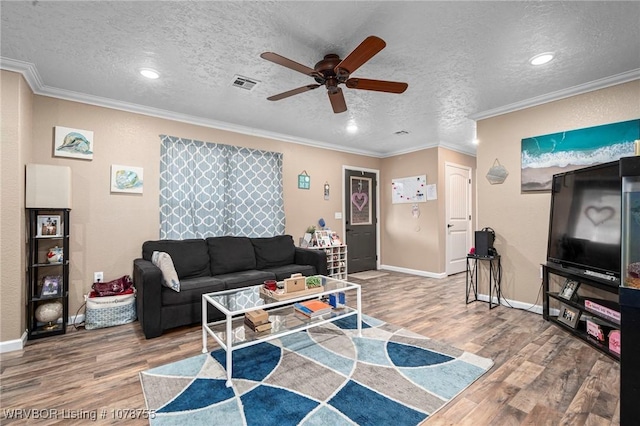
{"x": 170, "y": 277}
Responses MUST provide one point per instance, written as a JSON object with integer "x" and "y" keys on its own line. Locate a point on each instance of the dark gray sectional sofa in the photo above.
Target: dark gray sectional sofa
{"x": 213, "y": 264}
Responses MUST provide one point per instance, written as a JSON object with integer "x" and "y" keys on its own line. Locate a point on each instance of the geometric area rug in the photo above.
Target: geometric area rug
{"x": 326, "y": 375}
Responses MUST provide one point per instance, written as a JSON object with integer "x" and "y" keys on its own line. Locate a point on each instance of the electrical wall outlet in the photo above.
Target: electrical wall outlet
{"x": 98, "y": 277}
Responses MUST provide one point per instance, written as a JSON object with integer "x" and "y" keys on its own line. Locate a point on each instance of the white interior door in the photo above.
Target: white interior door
{"x": 458, "y": 216}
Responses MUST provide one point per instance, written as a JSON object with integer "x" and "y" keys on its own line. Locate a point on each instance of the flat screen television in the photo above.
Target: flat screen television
{"x": 584, "y": 227}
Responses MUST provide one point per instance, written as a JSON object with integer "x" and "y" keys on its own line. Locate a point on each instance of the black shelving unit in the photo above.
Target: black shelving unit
{"x": 47, "y": 280}
{"x": 596, "y": 285}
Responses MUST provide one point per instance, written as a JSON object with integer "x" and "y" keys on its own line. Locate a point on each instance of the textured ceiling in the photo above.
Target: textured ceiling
{"x": 462, "y": 60}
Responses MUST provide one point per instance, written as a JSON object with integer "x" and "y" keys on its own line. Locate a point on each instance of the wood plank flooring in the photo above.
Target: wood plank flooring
{"x": 541, "y": 376}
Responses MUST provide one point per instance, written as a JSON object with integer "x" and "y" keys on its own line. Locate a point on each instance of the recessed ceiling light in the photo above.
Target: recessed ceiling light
{"x": 149, "y": 73}
{"x": 541, "y": 59}
{"x": 352, "y": 128}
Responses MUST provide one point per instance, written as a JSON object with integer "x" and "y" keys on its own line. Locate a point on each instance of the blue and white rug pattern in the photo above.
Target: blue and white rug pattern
{"x": 324, "y": 376}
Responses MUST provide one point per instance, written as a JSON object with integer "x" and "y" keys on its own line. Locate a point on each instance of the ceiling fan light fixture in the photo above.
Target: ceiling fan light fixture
{"x": 542, "y": 58}
{"x": 149, "y": 73}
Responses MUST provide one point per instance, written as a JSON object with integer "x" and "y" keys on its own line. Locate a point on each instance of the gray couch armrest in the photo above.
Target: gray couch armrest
{"x": 147, "y": 279}
{"x": 315, "y": 258}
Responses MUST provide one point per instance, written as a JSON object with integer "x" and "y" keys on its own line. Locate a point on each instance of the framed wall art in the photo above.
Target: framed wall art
{"x": 73, "y": 143}
{"x": 544, "y": 156}
{"x": 126, "y": 179}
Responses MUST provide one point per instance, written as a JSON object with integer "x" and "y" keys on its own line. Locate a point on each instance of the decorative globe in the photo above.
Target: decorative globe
{"x": 49, "y": 312}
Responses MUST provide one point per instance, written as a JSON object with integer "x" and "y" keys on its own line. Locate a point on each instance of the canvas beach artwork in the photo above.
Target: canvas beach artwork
{"x": 73, "y": 143}
{"x": 126, "y": 179}
{"x": 544, "y": 156}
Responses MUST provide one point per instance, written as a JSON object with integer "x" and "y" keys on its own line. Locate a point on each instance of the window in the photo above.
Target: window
{"x": 209, "y": 189}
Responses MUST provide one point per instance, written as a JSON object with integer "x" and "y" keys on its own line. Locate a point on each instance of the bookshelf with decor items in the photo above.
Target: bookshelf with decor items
{"x": 47, "y": 271}
{"x": 336, "y": 251}
{"x": 336, "y": 260}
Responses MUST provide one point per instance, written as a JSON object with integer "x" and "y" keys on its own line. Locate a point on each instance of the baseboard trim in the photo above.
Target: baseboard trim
{"x": 414, "y": 271}
{"x": 19, "y": 344}
{"x": 536, "y": 309}
{"x": 14, "y": 345}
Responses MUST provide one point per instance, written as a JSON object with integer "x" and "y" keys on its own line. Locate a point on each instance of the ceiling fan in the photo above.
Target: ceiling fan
{"x": 332, "y": 71}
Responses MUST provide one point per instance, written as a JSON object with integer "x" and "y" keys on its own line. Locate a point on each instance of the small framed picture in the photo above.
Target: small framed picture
{"x": 569, "y": 315}
{"x": 50, "y": 286}
{"x": 569, "y": 290}
{"x": 73, "y": 143}
{"x": 127, "y": 179}
{"x": 49, "y": 226}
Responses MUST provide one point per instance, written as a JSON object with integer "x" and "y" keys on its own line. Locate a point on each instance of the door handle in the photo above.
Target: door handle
{"x": 449, "y": 225}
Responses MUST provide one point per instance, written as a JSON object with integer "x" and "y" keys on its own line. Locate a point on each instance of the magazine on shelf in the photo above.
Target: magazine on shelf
{"x": 312, "y": 308}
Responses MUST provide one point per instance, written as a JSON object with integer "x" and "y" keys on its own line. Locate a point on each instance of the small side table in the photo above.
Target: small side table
{"x": 495, "y": 278}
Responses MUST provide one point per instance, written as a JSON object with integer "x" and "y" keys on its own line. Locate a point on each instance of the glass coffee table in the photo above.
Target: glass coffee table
{"x": 232, "y": 334}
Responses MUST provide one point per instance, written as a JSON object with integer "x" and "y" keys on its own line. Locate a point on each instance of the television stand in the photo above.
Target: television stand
{"x": 606, "y": 297}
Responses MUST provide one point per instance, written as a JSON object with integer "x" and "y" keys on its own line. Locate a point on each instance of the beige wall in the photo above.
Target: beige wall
{"x": 15, "y": 126}
{"x": 416, "y": 244}
{"x": 107, "y": 230}
{"x": 521, "y": 219}
{"x": 407, "y": 242}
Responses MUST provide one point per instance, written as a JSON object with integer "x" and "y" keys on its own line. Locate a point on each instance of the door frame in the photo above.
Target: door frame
{"x": 344, "y": 227}
{"x": 470, "y": 209}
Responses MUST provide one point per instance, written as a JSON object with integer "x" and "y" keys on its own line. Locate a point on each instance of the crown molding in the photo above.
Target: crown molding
{"x": 602, "y": 83}
{"x": 31, "y": 75}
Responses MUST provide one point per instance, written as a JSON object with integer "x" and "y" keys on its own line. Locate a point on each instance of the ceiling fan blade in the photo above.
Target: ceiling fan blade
{"x": 377, "y": 85}
{"x": 293, "y": 92}
{"x": 337, "y": 101}
{"x": 365, "y": 51}
{"x": 281, "y": 60}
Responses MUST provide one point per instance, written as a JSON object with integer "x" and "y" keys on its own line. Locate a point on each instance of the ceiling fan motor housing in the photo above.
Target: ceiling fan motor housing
{"x": 333, "y": 71}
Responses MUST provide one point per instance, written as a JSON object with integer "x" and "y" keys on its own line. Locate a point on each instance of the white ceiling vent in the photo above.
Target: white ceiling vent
{"x": 244, "y": 82}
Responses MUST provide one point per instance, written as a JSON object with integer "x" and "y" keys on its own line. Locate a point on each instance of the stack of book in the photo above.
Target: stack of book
{"x": 257, "y": 321}
{"x": 312, "y": 308}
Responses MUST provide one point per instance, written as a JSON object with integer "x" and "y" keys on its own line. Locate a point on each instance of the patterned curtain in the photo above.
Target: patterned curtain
{"x": 209, "y": 189}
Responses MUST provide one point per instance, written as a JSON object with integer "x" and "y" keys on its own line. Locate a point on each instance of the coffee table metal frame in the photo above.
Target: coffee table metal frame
{"x": 231, "y": 333}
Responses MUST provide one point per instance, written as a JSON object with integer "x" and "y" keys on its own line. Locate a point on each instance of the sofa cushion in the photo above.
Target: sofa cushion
{"x": 190, "y": 257}
{"x": 191, "y": 291}
{"x": 274, "y": 251}
{"x": 230, "y": 254}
